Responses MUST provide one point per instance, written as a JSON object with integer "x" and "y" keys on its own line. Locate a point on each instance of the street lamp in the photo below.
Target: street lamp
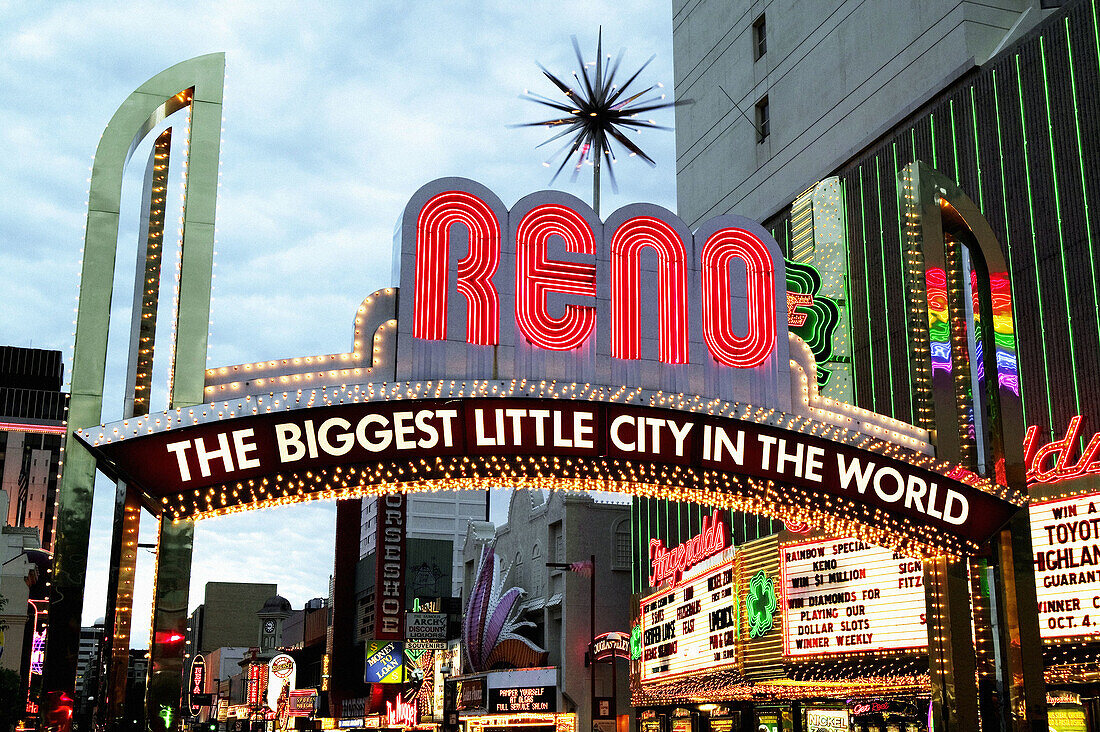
{"x": 588, "y": 568}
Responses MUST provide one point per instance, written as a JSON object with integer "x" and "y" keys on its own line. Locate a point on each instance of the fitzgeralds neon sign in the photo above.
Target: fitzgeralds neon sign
{"x": 559, "y": 294}
{"x": 1051, "y": 463}
{"x": 670, "y": 564}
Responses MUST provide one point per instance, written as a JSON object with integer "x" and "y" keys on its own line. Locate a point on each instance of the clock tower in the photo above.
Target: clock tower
{"x": 271, "y": 615}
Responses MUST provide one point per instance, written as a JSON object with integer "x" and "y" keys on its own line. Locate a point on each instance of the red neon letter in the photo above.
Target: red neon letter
{"x": 626, "y": 247}
{"x": 536, "y": 276}
{"x": 475, "y": 271}
{"x": 757, "y": 344}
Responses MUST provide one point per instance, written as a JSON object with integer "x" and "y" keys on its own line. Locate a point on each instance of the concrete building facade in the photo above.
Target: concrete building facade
{"x": 786, "y": 91}
{"x": 563, "y": 527}
{"x": 227, "y": 616}
{"x": 32, "y": 424}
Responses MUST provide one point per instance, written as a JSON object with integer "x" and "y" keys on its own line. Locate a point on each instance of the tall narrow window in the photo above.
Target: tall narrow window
{"x": 759, "y": 38}
{"x": 763, "y": 120}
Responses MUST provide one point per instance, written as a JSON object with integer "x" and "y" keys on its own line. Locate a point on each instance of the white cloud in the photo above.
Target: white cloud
{"x": 334, "y": 115}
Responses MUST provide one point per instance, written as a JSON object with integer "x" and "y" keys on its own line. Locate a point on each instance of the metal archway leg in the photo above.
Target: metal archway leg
{"x": 952, "y": 662}
{"x": 1023, "y": 690}
{"x": 168, "y": 646}
{"x": 120, "y": 601}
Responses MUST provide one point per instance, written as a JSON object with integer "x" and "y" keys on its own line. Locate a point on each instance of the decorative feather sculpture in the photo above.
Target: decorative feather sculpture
{"x": 490, "y": 624}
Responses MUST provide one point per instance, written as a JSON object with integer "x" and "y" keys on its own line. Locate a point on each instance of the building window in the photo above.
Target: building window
{"x": 763, "y": 120}
{"x": 621, "y": 549}
{"x": 759, "y": 38}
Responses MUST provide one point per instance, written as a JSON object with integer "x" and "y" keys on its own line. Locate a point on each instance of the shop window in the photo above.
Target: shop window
{"x": 557, "y": 542}
{"x": 763, "y": 121}
{"x": 759, "y": 38}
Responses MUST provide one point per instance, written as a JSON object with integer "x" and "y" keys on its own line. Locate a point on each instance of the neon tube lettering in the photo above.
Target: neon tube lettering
{"x": 630, "y": 238}
{"x": 758, "y": 343}
{"x": 475, "y": 270}
{"x": 537, "y": 276}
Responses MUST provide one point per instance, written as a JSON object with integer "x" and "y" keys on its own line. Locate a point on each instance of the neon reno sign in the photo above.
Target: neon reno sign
{"x": 569, "y": 271}
{"x": 671, "y": 564}
{"x": 1051, "y": 463}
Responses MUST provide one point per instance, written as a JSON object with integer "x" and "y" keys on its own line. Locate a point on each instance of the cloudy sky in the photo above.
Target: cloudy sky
{"x": 335, "y": 113}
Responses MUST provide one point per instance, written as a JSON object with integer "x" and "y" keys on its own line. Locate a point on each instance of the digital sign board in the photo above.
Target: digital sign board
{"x": 845, "y": 596}
{"x": 513, "y": 700}
{"x": 1065, "y": 535}
{"x": 693, "y": 627}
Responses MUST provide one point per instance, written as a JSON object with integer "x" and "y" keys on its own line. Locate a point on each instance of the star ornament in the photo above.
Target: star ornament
{"x": 598, "y": 114}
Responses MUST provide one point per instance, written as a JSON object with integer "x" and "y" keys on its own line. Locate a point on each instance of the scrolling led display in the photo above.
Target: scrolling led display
{"x": 845, "y": 596}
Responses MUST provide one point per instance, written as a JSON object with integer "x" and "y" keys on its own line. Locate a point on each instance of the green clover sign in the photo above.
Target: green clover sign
{"x": 760, "y": 604}
{"x": 636, "y": 642}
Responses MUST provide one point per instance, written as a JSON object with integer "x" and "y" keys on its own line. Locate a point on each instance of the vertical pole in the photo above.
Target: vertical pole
{"x": 596, "y": 185}
{"x": 614, "y": 688}
{"x": 591, "y": 637}
{"x": 168, "y": 647}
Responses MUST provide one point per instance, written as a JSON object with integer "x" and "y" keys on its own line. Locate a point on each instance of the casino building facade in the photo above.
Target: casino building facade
{"x": 997, "y": 99}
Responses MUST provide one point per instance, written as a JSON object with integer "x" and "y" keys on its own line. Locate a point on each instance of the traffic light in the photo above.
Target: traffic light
{"x": 59, "y": 711}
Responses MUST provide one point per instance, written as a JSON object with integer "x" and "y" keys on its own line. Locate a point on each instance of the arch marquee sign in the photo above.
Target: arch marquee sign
{"x": 538, "y": 346}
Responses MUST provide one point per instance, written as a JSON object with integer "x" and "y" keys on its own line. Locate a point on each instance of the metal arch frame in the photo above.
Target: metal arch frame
{"x": 197, "y": 83}
{"x": 932, "y": 196}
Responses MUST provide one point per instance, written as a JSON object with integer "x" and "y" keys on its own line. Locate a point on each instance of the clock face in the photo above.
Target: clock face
{"x": 269, "y": 626}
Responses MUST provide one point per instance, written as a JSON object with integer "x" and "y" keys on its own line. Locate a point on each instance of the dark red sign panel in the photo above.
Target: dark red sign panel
{"x": 187, "y": 461}
{"x": 389, "y": 583}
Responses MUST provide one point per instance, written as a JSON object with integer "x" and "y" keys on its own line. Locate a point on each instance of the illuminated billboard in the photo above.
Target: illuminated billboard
{"x": 1064, "y": 536}
{"x": 694, "y": 626}
{"x": 845, "y": 596}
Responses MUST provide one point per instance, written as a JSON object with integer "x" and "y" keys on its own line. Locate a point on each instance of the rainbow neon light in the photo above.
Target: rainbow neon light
{"x": 1004, "y": 336}
{"x": 939, "y": 330}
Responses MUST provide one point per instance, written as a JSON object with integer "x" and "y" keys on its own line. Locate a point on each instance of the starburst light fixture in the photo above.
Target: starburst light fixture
{"x": 598, "y": 112}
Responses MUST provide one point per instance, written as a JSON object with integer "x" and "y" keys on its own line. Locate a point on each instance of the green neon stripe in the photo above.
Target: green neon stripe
{"x": 885, "y": 308}
{"x": 667, "y": 536}
{"x": 1058, "y": 213}
{"x": 1081, "y": 170}
{"x": 1031, "y": 215}
{"x": 977, "y": 149}
{"x": 954, "y": 138}
{"x": 1008, "y": 234}
{"x": 680, "y": 523}
{"x": 901, "y": 267}
{"x": 867, "y": 291}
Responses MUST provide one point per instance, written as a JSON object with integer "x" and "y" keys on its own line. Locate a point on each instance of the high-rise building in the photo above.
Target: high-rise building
{"x": 32, "y": 427}
{"x": 89, "y": 666}
{"x": 227, "y": 616}
{"x": 437, "y": 516}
